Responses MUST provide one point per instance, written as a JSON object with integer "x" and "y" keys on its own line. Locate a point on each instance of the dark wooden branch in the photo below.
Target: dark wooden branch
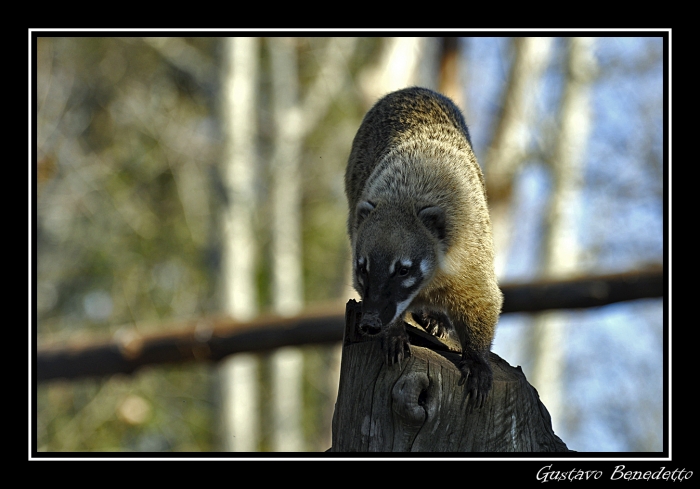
{"x": 583, "y": 291}
{"x": 206, "y": 340}
{"x": 212, "y": 339}
{"x": 419, "y": 406}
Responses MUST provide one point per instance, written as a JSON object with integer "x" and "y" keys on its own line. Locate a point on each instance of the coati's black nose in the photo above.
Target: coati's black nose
{"x": 370, "y": 324}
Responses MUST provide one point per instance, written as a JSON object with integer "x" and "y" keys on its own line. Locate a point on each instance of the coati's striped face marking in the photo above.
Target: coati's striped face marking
{"x": 400, "y": 269}
{"x": 395, "y": 256}
{"x": 396, "y": 252}
{"x": 387, "y": 287}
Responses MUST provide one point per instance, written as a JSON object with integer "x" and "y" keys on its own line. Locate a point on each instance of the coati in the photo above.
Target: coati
{"x": 420, "y": 230}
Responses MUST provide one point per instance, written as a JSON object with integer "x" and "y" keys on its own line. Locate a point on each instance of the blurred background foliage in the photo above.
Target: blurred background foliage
{"x": 129, "y": 194}
{"x": 128, "y": 189}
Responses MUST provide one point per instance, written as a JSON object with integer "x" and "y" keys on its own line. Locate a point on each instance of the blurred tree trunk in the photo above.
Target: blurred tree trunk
{"x": 294, "y": 120}
{"x": 560, "y": 247}
{"x": 450, "y": 81}
{"x": 331, "y": 80}
{"x": 509, "y": 146}
{"x": 287, "y": 280}
{"x": 239, "y": 373}
{"x": 399, "y": 66}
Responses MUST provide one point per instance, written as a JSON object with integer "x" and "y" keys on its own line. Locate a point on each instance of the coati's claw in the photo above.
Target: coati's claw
{"x": 477, "y": 379}
{"x": 396, "y": 347}
{"x": 436, "y": 324}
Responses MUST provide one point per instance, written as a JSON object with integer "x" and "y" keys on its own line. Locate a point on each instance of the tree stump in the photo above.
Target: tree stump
{"x": 419, "y": 406}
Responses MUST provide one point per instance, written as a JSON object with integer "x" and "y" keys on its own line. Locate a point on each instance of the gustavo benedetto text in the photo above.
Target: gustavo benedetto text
{"x": 546, "y": 474}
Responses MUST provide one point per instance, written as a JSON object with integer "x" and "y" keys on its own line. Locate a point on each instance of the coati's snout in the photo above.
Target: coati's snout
{"x": 376, "y": 314}
{"x": 387, "y": 288}
{"x": 370, "y": 324}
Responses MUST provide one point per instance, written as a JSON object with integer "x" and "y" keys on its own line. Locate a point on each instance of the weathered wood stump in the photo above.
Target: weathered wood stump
{"x": 419, "y": 406}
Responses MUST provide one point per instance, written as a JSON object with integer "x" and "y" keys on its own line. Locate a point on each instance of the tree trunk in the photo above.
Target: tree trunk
{"x": 419, "y": 406}
{"x": 287, "y": 282}
{"x": 398, "y": 67}
{"x": 512, "y": 137}
{"x": 239, "y": 430}
{"x": 561, "y": 248}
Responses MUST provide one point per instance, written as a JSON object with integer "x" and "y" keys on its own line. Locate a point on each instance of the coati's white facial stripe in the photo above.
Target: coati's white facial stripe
{"x": 424, "y": 267}
{"x": 408, "y": 283}
{"x": 359, "y": 265}
{"x": 402, "y": 306}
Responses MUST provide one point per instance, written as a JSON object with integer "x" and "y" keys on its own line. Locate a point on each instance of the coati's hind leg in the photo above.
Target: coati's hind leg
{"x": 436, "y": 323}
{"x": 395, "y": 342}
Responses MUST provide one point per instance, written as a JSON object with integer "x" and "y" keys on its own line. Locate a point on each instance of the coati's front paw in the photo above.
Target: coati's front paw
{"x": 437, "y": 324}
{"x": 396, "y": 346}
{"x": 477, "y": 378}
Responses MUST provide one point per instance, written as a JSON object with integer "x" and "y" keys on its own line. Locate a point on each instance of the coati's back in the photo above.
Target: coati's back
{"x": 395, "y": 119}
{"x": 420, "y": 230}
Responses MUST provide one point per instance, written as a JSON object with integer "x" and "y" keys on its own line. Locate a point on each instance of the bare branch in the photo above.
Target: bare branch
{"x": 210, "y": 340}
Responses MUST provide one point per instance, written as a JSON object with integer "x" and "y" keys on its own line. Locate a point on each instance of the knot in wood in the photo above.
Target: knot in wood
{"x": 409, "y": 397}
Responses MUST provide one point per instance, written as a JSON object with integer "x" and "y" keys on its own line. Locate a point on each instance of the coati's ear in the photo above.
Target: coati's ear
{"x": 362, "y": 210}
{"x": 434, "y": 220}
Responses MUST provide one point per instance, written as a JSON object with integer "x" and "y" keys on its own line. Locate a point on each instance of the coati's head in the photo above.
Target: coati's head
{"x": 396, "y": 250}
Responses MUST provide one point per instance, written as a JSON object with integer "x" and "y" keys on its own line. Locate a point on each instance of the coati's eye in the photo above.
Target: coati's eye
{"x": 401, "y": 268}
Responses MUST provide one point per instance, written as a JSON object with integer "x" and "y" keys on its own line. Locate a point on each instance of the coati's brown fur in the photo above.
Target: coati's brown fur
{"x": 420, "y": 230}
